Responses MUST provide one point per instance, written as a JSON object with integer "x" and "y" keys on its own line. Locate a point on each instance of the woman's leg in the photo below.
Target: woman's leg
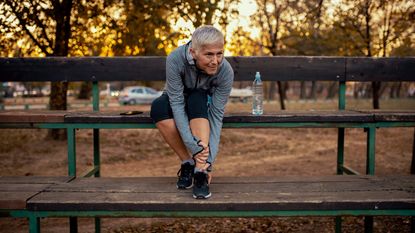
{"x": 161, "y": 113}
{"x": 197, "y": 111}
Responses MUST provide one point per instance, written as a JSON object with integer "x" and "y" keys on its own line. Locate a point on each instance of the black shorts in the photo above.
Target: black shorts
{"x": 196, "y": 106}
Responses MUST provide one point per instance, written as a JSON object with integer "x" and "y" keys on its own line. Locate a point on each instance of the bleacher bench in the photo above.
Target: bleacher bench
{"x": 36, "y": 197}
{"x": 301, "y": 196}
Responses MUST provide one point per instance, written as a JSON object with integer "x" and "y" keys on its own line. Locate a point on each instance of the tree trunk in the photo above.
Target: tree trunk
{"x": 331, "y": 90}
{"x": 281, "y": 94}
{"x": 58, "y": 90}
{"x": 392, "y": 91}
{"x": 58, "y": 101}
{"x": 312, "y": 94}
{"x": 85, "y": 92}
{"x": 286, "y": 86}
{"x": 382, "y": 88}
{"x": 265, "y": 86}
{"x": 398, "y": 90}
{"x": 356, "y": 90}
{"x": 302, "y": 90}
{"x": 271, "y": 91}
{"x": 375, "y": 94}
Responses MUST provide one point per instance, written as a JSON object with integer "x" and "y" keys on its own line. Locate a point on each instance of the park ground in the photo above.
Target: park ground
{"x": 243, "y": 152}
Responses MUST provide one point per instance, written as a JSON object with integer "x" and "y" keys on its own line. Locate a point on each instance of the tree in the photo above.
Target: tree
{"x": 47, "y": 24}
{"x": 274, "y": 20}
{"x": 371, "y": 28}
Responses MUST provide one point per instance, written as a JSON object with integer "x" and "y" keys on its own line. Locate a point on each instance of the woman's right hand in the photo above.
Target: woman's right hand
{"x": 202, "y": 156}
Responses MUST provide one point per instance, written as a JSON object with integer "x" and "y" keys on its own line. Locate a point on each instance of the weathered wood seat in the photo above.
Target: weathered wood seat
{"x": 32, "y": 116}
{"x": 36, "y": 197}
{"x": 237, "y": 196}
{"x": 15, "y": 191}
{"x": 335, "y": 116}
{"x": 282, "y": 116}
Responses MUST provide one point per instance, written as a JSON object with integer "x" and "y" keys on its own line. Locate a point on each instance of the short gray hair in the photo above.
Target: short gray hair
{"x": 206, "y": 35}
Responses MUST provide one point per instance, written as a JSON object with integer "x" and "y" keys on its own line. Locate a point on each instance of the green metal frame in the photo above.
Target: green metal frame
{"x": 341, "y": 168}
{"x": 222, "y": 213}
{"x": 340, "y": 148}
{"x": 370, "y": 128}
{"x": 225, "y": 125}
{"x": 34, "y": 216}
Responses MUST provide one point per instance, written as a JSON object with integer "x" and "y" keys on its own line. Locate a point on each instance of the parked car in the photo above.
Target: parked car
{"x": 138, "y": 95}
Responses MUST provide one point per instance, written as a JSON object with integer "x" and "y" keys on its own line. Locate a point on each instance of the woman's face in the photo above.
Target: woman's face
{"x": 208, "y": 57}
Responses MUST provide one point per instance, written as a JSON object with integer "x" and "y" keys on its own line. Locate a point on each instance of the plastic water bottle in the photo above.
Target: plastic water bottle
{"x": 258, "y": 95}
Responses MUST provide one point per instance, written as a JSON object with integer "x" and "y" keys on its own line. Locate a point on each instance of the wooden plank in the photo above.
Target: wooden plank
{"x": 393, "y": 116}
{"x": 289, "y": 68}
{"x": 300, "y": 116}
{"x": 82, "y": 69}
{"x": 121, "y": 186}
{"x": 231, "y": 184}
{"x": 294, "y": 193}
{"x": 34, "y": 179}
{"x": 32, "y": 116}
{"x": 107, "y": 117}
{"x": 15, "y": 200}
{"x": 231, "y": 180}
{"x": 22, "y": 187}
{"x": 381, "y": 115}
{"x": 380, "y": 69}
{"x": 183, "y": 201}
{"x": 277, "y": 117}
{"x": 153, "y": 68}
{"x": 15, "y": 191}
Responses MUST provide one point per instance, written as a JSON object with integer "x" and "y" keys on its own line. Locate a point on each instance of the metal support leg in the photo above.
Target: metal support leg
{"x": 368, "y": 224}
{"x": 73, "y": 222}
{"x": 97, "y": 153}
{"x": 370, "y": 168}
{"x": 340, "y": 163}
{"x": 97, "y": 225}
{"x": 95, "y": 106}
{"x": 71, "y": 152}
{"x": 34, "y": 224}
{"x": 370, "y": 160}
{"x": 340, "y": 151}
{"x": 340, "y": 146}
{"x": 98, "y": 172}
{"x": 338, "y": 224}
{"x": 73, "y": 225}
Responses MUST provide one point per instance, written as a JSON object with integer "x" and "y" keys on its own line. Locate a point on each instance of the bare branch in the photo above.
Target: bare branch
{"x": 42, "y": 27}
{"x": 23, "y": 24}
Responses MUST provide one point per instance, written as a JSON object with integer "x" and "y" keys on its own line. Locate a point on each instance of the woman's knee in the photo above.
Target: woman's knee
{"x": 197, "y": 104}
{"x": 160, "y": 109}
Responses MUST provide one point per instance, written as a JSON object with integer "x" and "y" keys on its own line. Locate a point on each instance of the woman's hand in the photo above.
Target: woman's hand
{"x": 202, "y": 156}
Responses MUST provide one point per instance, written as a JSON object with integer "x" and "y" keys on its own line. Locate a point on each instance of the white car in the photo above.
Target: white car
{"x": 138, "y": 95}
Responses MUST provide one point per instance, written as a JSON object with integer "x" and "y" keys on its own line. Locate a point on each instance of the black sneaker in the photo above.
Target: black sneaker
{"x": 185, "y": 175}
{"x": 201, "y": 187}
